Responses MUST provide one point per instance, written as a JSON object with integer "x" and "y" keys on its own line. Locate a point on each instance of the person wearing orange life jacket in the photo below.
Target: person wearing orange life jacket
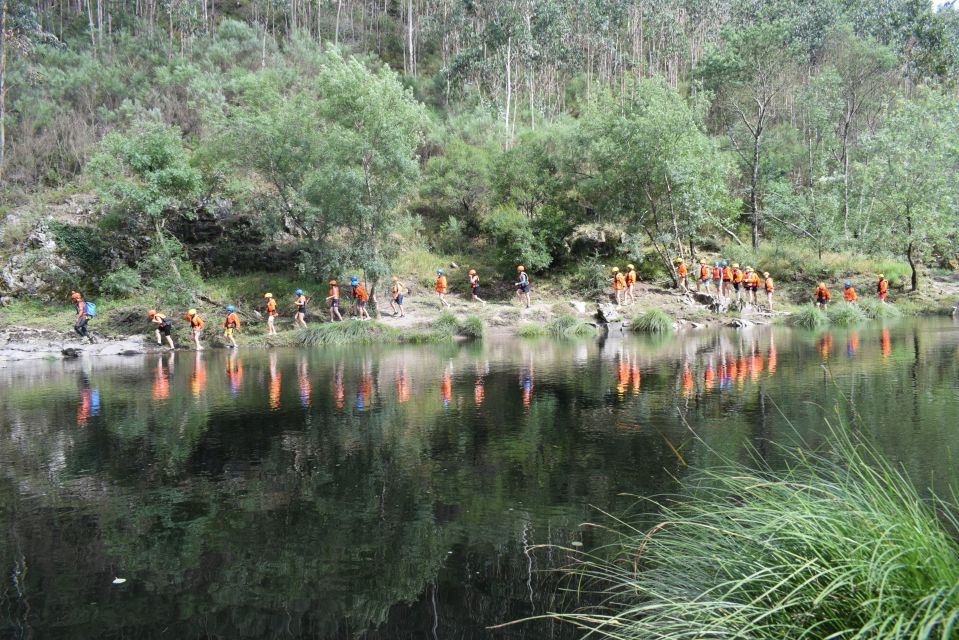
{"x": 271, "y": 313}
{"x": 522, "y": 284}
{"x": 334, "y": 301}
{"x": 682, "y": 273}
{"x": 752, "y": 285}
{"x": 848, "y": 293}
{"x": 475, "y": 286}
{"x": 230, "y": 325}
{"x": 822, "y": 296}
{"x": 738, "y": 278}
{"x": 718, "y": 278}
{"x": 397, "y": 289}
{"x": 882, "y": 288}
{"x": 631, "y": 279}
{"x": 619, "y": 286}
{"x": 727, "y": 279}
{"x": 196, "y": 327}
{"x": 80, "y": 323}
{"x": 769, "y": 287}
{"x": 441, "y": 287}
{"x": 299, "y": 318}
{"x": 164, "y": 326}
{"x": 361, "y": 296}
{"x": 703, "y": 280}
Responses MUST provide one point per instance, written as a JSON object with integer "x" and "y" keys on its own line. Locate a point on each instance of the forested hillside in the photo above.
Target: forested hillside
{"x": 313, "y": 137}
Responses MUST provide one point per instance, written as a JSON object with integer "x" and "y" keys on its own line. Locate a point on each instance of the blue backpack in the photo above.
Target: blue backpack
{"x": 89, "y": 308}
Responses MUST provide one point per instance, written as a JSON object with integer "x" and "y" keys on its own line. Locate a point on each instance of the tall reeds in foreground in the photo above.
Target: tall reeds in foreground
{"x": 838, "y": 547}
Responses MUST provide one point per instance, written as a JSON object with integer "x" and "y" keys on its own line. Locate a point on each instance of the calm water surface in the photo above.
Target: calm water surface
{"x": 395, "y": 492}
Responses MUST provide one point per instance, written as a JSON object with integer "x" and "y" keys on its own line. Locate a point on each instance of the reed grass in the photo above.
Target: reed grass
{"x": 653, "y": 321}
{"x": 472, "y": 327}
{"x": 809, "y": 317}
{"x": 878, "y": 311}
{"x": 845, "y": 314}
{"x": 349, "y": 332}
{"x": 568, "y": 326}
{"x": 532, "y": 330}
{"x": 835, "y": 546}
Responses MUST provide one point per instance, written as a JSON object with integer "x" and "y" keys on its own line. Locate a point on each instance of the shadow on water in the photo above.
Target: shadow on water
{"x": 394, "y": 492}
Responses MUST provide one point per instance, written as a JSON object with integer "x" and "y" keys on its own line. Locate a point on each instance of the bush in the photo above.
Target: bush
{"x": 331, "y": 333}
{"x": 515, "y": 241}
{"x": 472, "y": 327}
{"x": 121, "y": 282}
{"x": 845, "y": 314}
{"x": 837, "y": 547}
{"x": 653, "y": 321}
{"x": 809, "y": 317}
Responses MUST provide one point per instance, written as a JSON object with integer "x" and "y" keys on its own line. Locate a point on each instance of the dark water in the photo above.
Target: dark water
{"x": 396, "y": 492}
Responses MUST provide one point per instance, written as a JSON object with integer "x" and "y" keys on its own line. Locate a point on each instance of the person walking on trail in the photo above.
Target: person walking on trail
{"x": 631, "y": 279}
{"x": 361, "y": 296}
{"x": 441, "y": 287}
{"x": 164, "y": 327}
{"x": 522, "y": 284}
{"x": 848, "y": 292}
{"x": 196, "y": 327}
{"x": 822, "y": 296}
{"x": 727, "y": 279}
{"x": 703, "y": 280}
{"x": 718, "y": 278}
{"x": 619, "y": 286}
{"x": 882, "y": 288}
{"x": 475, "y": 286}
{"x": 270, "y": 314}
{"x": 397, "y": 294}
{"x": 230, "y": 325}
{"x": 299, "y": 318}
{"x": 770, "y": 287}
{"x": 682, "y": 273}
{"x": 83, "y": 317}
{"x": 334, "y": 301}
{"x": 752, "y": 286}
{"x": 738, "y": 278}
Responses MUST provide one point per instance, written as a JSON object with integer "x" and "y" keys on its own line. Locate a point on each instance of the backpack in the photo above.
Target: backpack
{"x": 89, "y": 308}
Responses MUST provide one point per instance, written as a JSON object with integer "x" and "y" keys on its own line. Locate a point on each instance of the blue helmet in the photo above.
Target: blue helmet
{"x": 354, "y": 280}
{"x": 716, "y": 264}
{"x": 231, "y": 308}
{"x": 440, "y": 271}
{"x": 725, "y": 263}
{"x": 847, "y": 284}
{"x": 299, "y": 292}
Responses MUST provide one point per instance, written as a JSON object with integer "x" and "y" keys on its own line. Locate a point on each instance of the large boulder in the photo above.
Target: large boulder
{"x": 578, "y": 306}
{"x": 607, "y": 313}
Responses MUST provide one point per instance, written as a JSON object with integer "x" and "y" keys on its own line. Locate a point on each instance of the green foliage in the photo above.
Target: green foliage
{"x": 839, "y": 545}
{"x": 515, "y": 241}
{"x": 333, "y": 333}
{"x": 568, "y": 326}
{"x": 121, "y": 282}
{"x": 873, "y": 308}
{"x": 845, "y": 314}
{"x": 532, "y": 330}
{"x": 809, "y": 317}
{"x": 653, "y": 321}
{"x": 472, "y": 327}
{"x": 83, "y": 245}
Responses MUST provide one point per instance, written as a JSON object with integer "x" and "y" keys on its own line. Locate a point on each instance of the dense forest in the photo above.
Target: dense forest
{"x": 312, "y": 137}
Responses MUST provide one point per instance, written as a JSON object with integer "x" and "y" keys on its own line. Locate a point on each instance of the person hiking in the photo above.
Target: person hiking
{"x": 770, "y": 288}
{"x": 397, "y": 296}
{"x": 522, "y": 284}
{"x": 704, "y": 274}
{"x": 848, "y": 292}
{"x": 822, "y": 296}
{"x": 230, "y": 324}
{"x": 83, "y": 317}
{"x": 682, "y": 273}
{"x": 752, "y": 286}
{"x": 882, "y": 288}
{"x": 738, "y": 278}
{"x": 164, "y": 327}
{"x": 475, "y": 286}
{"x": 619, "y": 286}
{"x": 196, "y": 327}
{"x": 299, "y": 318}
{"x": 360, "y": 296}
{"x": 334, "y": 300}
{"x": 727, "y": 279}
{"x": 441, "y": 287}
{"x": 270, "y": 314}
{"x": 631, "y": 279}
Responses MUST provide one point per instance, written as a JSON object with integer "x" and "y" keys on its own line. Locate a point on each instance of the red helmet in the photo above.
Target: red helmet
{"x": 152, "y": 312}
{"x": 74, "y": 295}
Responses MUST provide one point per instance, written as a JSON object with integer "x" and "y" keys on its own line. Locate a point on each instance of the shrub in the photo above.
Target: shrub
{"x": 844, "y": 314}
{"x": 472, "y": 327}
{"x": 653, "y": 321}
{"x": 331, "y": 333}
{"x": 121, "y": 282}
{"x": 837, "y": 547}
{"x": 809, "y": 317}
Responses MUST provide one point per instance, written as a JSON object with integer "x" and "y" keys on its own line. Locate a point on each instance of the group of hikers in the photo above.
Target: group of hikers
{"x": 822, "y": 297}
{"x": 727, "y": 281}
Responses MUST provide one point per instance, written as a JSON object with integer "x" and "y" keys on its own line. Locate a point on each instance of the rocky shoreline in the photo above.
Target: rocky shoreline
{"x": 24, "y": 343}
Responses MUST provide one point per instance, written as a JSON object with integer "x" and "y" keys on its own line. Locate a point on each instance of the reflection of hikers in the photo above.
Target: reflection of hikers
{"x": 83, "y": 316}
{"x": 196, "y": 327}
{"x": 396, "y": 296}
{"x": 631, "y": 279}
{"x": 848, "y": 293}
{"x": 822, "y": 296}
{"x": 270, "y": 314}
{"x": 475, "y": 286}
{"x": 164, "y": 326}
{"x": 441, "y": 287}
{"x": 334, "y": 300}
{"x": 682, "y": 271}
{"x": 882, "y": 288}
{"x": 770, "y": 288}
{"x": 230, "y": 325}
{"x": 522, "y": 284}
{"x": 299, "y": 319}
{"x": 360, "y": 296}
{"x": 619, "y": 286}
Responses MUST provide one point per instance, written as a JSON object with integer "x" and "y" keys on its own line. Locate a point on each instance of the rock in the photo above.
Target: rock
{"x": 713, "y": 303}
{"x": 697, "y": 325}
{"x": 579, "y": 307}
{"x": 453, "y": 265}
{"x": 739, "y": 323}
{"x": 71, "y": 352}
{"x": 607, "y": 313}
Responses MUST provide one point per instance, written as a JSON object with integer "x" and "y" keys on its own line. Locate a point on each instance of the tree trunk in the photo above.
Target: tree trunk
{"x": 3, "y": 88}
{"x": 912, "y": 265}
{"x": 754, "y": 191}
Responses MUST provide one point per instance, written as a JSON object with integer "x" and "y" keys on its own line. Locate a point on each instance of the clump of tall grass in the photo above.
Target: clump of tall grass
{"x": 879, "y": 311}
{"x": 809, "y": 317}
{"x": 567, "y": 326}
{"x": 330, "y": 333}
{"x": 472, "y": 327}
{"x": 837, "y": 547}
{"x": 845, "y": 314}
{"x": 653, "y": 321}
{"x": 532, "y": 330}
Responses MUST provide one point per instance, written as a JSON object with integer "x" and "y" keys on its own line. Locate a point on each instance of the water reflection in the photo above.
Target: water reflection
{"x": 244, "y": 507}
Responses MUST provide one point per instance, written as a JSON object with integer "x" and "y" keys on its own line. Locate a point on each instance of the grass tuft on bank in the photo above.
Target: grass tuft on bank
{"x": 564, "y": 326}
{"x": 835, "y": 546}
{"x": 809, "y": 317}
{"x": 844, "y": 314}
{"x": 653, "y": 321}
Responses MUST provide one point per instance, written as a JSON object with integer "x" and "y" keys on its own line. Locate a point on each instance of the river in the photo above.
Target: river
{"x": 401, "y": 492}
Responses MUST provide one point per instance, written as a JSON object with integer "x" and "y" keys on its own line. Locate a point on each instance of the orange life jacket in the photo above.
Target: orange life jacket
{"x": 717, "y": 273}
{"x": 822, "y": 294}
{"x": 335, "y": 292}
{"x": 704, "y": 272}
{"x": 232, "y": 321}
{"x": 360, "y": 293}
{"x": 882, "y": 286}
{"x": 619, "y": 281}
{"x": 727, "y": 273}
{"x": 631, "y": 276}
{"x": 441, "y": 284}
{"x": 849, "y": 294}
{"x": 196, "y": 322}
{"x": 753, "y": 280}
{"x": 738, "y": 276}
{"x": 769, "y": 285}
{"x": 682, "y": 270}
{"x": 271, "y": 307}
